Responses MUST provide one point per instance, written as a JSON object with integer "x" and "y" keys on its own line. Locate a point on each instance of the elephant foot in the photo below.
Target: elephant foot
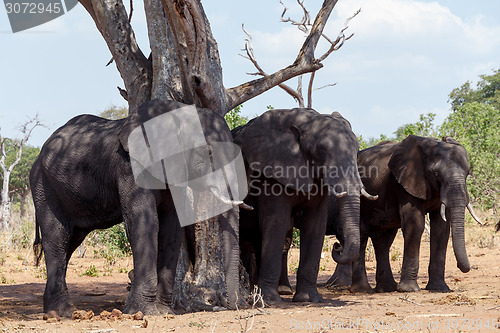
{"x": 361, "y": 288}
{"x": 339, "y": 281}
{"x": 271, "y": 295}
{"x": 285, "y": 290}
{"x": 312, "y": 295}
{"x": 165, "y": 309}
{"x": 386, "y": 287}
{"x": 408, "y": 286}
{"x": 136, "y": 304}
{"x": 62, "y": 308}
{"x": 438, "y": 286}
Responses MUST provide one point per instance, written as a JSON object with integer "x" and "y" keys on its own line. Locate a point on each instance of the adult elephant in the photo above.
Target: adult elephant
{"x": 415, "y": 177}
{"x": 294, "y": 158}
{"x": 84, "y": 179}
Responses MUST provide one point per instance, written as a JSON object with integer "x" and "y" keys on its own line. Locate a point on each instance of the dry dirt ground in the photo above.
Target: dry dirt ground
{"x": 473, "y": 306}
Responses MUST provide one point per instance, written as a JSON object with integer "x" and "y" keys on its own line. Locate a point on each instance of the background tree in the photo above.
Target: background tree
{"x": 234, "y": 118}
{"x": 473, "y": 121}
{"x": 114, "y": 112}
{"x": 19, "y": 181}
{"x": 424, "y": 127}
{"x": 184, "y": 65}
{"x": 15, "y": 147}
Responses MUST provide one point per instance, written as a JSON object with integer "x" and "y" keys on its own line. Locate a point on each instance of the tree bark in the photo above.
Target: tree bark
{"x": 135, "y": 69}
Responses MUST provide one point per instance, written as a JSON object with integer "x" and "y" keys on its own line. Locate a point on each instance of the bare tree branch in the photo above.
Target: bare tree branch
{"x": 341, "y": 38}
{"x": 309, "y": 90}
{"x": 305, "y": 61}
{"x": 112, "y": 21}
{"x": 251, "y": 56}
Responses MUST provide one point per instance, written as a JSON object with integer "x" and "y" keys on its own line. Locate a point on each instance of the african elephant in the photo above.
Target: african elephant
{"x": 412, "y": 178}
{"x": 85, "y": 179}
{"x": 294, "y": 159}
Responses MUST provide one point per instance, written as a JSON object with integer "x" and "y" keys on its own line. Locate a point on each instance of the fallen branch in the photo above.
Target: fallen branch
{"x": 405, "y": 298}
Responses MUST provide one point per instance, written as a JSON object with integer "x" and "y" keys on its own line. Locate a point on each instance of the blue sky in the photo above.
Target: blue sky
{"x": 404, "y": 59}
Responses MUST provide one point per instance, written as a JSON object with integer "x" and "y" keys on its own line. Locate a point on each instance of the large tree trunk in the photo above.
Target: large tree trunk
{"x": 185, "y": 67}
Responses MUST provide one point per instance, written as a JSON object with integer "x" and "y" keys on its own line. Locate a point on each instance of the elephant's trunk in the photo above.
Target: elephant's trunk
{"x": 229, "y": 226}
{"x": 349, "y": 229}
{"x": 454, "y": 204}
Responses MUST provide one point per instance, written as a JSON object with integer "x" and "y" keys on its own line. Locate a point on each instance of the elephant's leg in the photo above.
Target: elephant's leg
{"x": 275, "y": 221}
{"x": 382, "y": 241}
{"x": 440, "y": 233}
{"x": 169, "y": 242}
{"x": 312, "y": 235}
{"x": 141, "y": 223}
{"x": 284, "y": 287}
{"x": 412, "y": 225}
{"x": 359, "y": 278}
{"x": 55, "y": 240}
{"x": 342, "y": 277}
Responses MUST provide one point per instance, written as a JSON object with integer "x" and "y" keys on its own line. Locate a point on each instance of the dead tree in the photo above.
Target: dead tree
{"x": 16, "y": 147}
{"x": 185, "y": 67}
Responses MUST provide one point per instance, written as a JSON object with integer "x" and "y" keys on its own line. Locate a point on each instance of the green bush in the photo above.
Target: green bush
{"x": 114, "y": 238}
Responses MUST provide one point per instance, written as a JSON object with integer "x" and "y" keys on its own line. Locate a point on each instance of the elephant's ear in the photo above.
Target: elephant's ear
{"x": 146, "y": 111}
{"x": 407, "y": 164}
{"x": 275, "y": 152}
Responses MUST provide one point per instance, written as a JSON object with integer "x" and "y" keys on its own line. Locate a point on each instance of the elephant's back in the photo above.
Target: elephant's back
{"x": 83, "y": 146}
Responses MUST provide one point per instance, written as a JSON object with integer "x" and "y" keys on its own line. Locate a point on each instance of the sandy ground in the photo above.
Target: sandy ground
{"x": 473, "y": 306}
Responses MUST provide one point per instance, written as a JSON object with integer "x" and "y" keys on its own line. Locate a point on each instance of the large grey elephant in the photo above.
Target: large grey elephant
{"x": 84, "y": 180}
{"x": 415, "y": 177}
{"x": 294, "y": 159}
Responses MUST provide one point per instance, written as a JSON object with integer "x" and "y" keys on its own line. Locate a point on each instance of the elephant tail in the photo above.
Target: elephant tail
{"x": 37, "y": 244}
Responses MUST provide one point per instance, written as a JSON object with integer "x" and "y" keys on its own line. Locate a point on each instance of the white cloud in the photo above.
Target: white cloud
{"x": 416, "y": 22}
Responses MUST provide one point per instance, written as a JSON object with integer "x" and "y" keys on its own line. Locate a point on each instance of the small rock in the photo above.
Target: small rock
{"x": 144, "y": 323}
{"x": 82, "y": 315}
{"x": 105, "y": 314}
{"x": 138, "y": 316}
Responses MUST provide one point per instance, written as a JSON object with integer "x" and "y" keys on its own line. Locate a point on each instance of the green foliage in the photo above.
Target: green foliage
{"x": 234, "y": 118}
{"x": 424, "y": 127}
{"x": 476, "y": 126}
{"x": 474, "y": 122}
{"x": 19, "y": 178}
{"x": 487, "y": 92}
{"x": 114, "y": 112}
{"x": 114, "y": 239}
{"x": 91, "y": 271}
{"x": 367, "y": 143}
{"x": 296, "y": 238}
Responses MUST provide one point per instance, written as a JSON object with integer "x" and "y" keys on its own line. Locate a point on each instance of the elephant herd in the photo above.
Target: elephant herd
{"x": 303, "y": 169}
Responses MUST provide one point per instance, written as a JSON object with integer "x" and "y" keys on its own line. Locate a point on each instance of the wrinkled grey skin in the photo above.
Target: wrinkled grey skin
{"x": 82, "y": 181}
{"x": 333, "y": 228}
{"x": 412, "y": 178}
{"x": 297, "y": 139}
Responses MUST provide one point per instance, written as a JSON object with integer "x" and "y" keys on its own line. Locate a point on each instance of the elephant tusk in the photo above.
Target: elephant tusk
{"x": 227, "y": 201}
{"x": 245, "y": 206}
{"x": 335, "y": 193}
{"x": 471, "y": 211}
{"x": 443, "y": 211}
{"x": 368, "y": 195}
